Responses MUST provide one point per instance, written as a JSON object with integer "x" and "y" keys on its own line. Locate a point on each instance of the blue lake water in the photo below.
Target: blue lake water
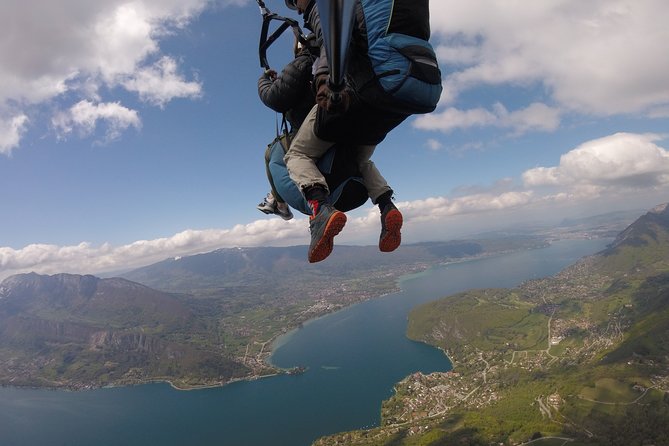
{"x": 354, "y": 357}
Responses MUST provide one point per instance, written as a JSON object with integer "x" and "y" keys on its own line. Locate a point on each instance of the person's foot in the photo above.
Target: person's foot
{"x": 391, "y": 224}
{"x": 327, "y": 223}
{"x": 268, "y": 205}
{"x": 283, "y": 211}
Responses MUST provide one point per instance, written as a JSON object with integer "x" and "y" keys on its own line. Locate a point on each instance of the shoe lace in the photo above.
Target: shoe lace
{"x": 315, "y": 208}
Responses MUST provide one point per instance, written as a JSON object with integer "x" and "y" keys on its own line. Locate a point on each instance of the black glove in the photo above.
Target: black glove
{"x": 269, "y": 74}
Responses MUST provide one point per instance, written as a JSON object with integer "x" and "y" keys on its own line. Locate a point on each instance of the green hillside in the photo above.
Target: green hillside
{"x": 80, "y": 331}
{"x": 581, "y": 358}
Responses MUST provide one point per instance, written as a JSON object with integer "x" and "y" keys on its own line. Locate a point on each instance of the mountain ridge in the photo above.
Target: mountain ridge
{"x": 80, "y": 331}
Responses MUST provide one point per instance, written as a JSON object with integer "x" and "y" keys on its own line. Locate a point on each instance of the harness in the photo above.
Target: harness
{"x": 347, "y": 190}
{"x": 267, "y": 39}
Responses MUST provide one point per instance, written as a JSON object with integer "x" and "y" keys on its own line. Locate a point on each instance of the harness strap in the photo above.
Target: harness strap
{"x": 267, "y": 39}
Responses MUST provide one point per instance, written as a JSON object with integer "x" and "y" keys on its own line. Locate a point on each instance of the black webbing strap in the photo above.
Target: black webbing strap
{"x": 267, "y": 39}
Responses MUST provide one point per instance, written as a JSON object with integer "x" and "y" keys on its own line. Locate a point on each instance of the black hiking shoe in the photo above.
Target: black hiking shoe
{"x": 327, "y": 223}
{"x": 391, "y": 223}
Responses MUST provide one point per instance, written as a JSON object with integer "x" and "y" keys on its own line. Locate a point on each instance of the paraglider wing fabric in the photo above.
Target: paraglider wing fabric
{"x": 336, "y": 18}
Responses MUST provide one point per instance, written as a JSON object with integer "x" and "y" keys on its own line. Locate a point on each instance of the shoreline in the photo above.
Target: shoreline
{"x": 280, "y": 338}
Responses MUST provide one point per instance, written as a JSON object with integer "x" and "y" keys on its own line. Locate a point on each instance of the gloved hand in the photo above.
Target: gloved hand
{"x": 270, "y": 74}
{"x": 328, "y": 100}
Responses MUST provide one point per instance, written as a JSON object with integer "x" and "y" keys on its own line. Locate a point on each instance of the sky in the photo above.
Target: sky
{"x": 131, "y": 131}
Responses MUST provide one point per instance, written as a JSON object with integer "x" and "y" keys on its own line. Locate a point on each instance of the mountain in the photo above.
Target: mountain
{"x": 213, "y": 319}
{"x": 649, "y": 229}
{"x": 580, "y": 358}
{"x": 77, "y": 331}
{"x": 198, "y": 320}
{"x": 641, "y": 248}
{"x": 609, "y": 219}
{"x": 287, "y": 267}
{"x": 115, "y": 303}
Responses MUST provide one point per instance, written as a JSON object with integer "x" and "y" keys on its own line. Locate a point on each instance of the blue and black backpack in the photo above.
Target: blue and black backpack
{"x": 404, "y": 63}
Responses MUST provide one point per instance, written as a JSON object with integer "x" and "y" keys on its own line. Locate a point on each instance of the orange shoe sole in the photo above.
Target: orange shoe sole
{"x": 325, "y": 245}
{"x": 393, "y": 237}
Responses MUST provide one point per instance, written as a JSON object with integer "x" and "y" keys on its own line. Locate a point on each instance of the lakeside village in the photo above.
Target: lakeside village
{"x": 478, "y": 377}
{"x": 334, "y": 296}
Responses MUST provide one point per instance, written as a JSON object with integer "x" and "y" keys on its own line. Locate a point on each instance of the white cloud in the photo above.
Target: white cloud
{"x": 621, "y": 170}
{"x": 161, "y": 83}
{"x": 439, "y": 207}
{"x": 536, "y": 117}
{"x": 434, "y": 145}
{"x": 11, "y": 131}
{"x": 85, "y": 258}
{"x": 84, "y": 116}
{"x": 50, "y": 49}
{"x": 602, "y": 57}
{"x": 623, "y": 160}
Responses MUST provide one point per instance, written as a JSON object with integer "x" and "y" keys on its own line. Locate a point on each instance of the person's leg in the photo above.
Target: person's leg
{"x": 391, "y": 224}
{"x": 268, "y": 204}
{"x": 268, "y": 156}
{"x": 326, "y": 222}
{"x": 374, "y": 182}
{"x": 304, "y": 151}
{"x": 381, "y": 195}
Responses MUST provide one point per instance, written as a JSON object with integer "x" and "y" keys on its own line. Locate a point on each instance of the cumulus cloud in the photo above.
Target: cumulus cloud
{"x": 602, "y": 57}
{"x": 439, "y": 207}
{"x": 84, "y": 116}
{"x": 433, "y": 144}
{"x": 623, "y": 160}
{"x": 56, "y": 50}
{"x": 535, "y": 117}
{"x": 619, "y": 168}
{"x": 10, "y": 132}
{"x": 160, "y": 83}
{"x": 85, "y": 258}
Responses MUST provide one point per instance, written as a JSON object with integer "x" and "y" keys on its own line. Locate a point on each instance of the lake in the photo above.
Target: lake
{"x": 353, "y": 359}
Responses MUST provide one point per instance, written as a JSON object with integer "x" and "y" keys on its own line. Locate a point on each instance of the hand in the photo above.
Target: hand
{"x": 270, "y": 74}
{"x": 332, "y": 102}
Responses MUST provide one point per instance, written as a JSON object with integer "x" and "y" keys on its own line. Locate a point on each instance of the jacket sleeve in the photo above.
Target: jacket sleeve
{"x": 283, "y": 93}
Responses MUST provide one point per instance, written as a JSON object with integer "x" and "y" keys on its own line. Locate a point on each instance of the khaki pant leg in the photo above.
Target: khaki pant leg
{"x": 373, "y": 180}
{"x": 304, "y": 152}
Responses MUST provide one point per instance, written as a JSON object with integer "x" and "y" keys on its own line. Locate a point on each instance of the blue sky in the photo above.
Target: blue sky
{"x": 131, "y": 131}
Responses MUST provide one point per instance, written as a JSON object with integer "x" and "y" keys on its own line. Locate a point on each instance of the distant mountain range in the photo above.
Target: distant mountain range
{"x": 608, "y": 219}
{"x": 265, "y": 267}
{"x": 198, "y": 320}
{"x": 581, "y": 358}
{"x": 211, "y": 322}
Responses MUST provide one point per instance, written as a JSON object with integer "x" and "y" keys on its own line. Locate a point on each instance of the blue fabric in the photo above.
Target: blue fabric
{"x": 282, "y": 181}
{"x": 405, "y": 66}
{"x": 291, "y": 193}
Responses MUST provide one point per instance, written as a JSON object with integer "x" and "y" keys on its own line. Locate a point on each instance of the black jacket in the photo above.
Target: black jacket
{"x": 291, "y": 92}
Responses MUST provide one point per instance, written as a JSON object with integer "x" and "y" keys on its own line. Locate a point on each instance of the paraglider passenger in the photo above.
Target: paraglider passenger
{"x": 353, "y": 120}
{"x": 291, "y": 94}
